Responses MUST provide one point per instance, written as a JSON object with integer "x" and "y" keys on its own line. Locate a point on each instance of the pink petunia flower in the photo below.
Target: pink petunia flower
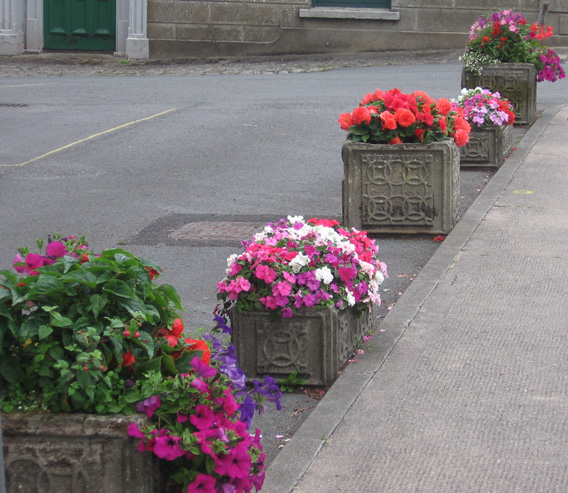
{"x": 56, "y": 249}
{"x": 167, "y": 447}
{"x": 203, "y": 484}
{"x": 204, "y": 417}
{"x": 236, "y": 464}
{"x": 33, "y": 262}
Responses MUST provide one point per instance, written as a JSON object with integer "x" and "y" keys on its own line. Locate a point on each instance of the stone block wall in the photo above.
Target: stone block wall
{"x": 220, "y": 28}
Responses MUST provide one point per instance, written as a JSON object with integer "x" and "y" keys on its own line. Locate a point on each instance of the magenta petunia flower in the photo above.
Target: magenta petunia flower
{"x": 202, "y": 370}
{"x": 33, "y": 262}
{"x": 200, "y": 385}
{"x": 236, "y": 464}
{"x": 56, "y": 249}
{"x": 18, "y": 260}
{"x": 167, "y": 447}
{"x": 149, "y": 405}
{"x": 204, "y": 417}
{"x": 203, "y": 484}
{"x": 229, "y": 404}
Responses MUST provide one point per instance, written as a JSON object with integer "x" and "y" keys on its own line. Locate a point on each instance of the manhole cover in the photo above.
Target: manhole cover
{"x": 217, "y": 231}
{"x": 13, "y": 105}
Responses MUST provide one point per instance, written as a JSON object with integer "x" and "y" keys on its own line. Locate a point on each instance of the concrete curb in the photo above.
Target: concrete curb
{"x": 302, "y": 449}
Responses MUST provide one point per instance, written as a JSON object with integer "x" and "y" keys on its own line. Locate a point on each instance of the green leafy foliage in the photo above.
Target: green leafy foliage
{"x": 291, "y": 382}
{"x": 75, "y": 328}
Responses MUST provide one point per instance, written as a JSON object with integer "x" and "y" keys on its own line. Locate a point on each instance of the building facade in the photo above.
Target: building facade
{"x": 221, "y": 28}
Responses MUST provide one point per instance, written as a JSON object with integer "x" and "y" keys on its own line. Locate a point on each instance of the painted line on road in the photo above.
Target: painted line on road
{"x": 88, "y": 138}
{"x": 29, "y": 85}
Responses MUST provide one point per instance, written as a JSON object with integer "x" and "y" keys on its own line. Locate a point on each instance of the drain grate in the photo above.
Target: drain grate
{"x": 217, "y": 231}
{"x": 13, "y": 105}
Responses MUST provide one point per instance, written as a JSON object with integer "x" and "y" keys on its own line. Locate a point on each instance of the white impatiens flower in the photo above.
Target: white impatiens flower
{"x": 295, "y": 219}
{"x": 379, "y": 277}
{"x": 298, "y": 262}
{"x": 350, "y": 298}
{"x": 367, "y": 268}
{"x": 324, "y": 274}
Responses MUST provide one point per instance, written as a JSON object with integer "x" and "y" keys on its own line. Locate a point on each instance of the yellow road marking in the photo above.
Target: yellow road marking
{"x": 523, "y": 192}
{"x": 88, "y": 138}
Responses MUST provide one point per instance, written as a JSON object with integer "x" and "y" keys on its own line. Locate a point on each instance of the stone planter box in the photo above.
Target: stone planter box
{"x": 487, "y": 147}
{"x": 402, "y": 188}
{"x": 514, "y": 81}
{"x": 315, "y": 342}
{"x": 75, "y": 453}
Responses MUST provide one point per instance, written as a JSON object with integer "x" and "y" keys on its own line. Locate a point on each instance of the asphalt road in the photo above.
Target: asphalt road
{"x": 130, "y": 159}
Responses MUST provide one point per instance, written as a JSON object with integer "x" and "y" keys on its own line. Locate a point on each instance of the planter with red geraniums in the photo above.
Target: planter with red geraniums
{"x": 299, "y": 298}
{"x": 94, "y": 365}
{"x": 491, "y": 118}
{"x": 401, "y": 163}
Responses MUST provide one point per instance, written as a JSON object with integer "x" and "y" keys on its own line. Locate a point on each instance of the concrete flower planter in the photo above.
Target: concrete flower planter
{"x": 487, "y": 147}
{"x": 75, "y": 453}
{"x": 315, "y": 342}
{"x": 514, "y": 81}
{"x": 401, "y": 189}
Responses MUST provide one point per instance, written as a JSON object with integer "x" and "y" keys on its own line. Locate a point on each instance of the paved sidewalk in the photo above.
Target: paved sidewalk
{"x": 467, "y": 388}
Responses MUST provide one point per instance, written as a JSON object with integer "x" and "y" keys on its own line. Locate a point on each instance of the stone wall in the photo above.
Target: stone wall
{"x": 218, "y": 28}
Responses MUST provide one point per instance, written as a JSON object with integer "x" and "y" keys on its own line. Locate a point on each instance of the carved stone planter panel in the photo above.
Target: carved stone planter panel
{"x": 403, "y": 188}
{"x": 514, "y": 81}
{"x": 314, "y": 342}
{"x": 75, "y": 453}
{"x": 487, "y": 147}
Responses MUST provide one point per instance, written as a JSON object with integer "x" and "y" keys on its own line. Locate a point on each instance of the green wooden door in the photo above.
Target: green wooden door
{"x": 80, "y": 24}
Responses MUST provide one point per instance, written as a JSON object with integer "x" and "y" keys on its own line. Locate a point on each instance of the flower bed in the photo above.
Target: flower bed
{"x": 506, "y": 37}
{"x": 88, "y": 333}
{"x": 491, "y": 118}
{"x": 295, "y": 263}
{"x": 299, "y": 298}
{"x": 393, "y": 117}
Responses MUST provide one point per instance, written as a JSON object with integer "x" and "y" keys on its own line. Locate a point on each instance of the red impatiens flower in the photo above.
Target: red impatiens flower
{"x": 152, "y": 272}
{"x": 199, "y": 345}
{"x": 128, "y": 359}
{"x": 174, "y": 334}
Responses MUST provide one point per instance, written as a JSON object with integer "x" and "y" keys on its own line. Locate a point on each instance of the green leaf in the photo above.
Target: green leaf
{"x": 46, "y": 285}
{"x": 55, "y": 353}
{"x": 98, "y": 302}
{"x": 10, "y": 369}
{"x": 182, "y": 363}
{"x": 119, "y": 288}
{"x": 209, "y": 464}
{"x": 151, "y": 365}
{"x": 81, "y": 339}
{"x": 45, "y": 371}
{"x": 30, "y": 328}
{"x": 83, "y": 378}
{"x": 133, "y": 306}
{"x": 85, "y": 277}
{"x": 170, "y": 292}
{"x": 60, "y": 321}
{"x": 169, "y": 364}
{"x": 44, "y": 331}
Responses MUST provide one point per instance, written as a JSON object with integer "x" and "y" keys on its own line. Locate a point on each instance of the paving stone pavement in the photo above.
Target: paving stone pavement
{"x": 467, "y": 388}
